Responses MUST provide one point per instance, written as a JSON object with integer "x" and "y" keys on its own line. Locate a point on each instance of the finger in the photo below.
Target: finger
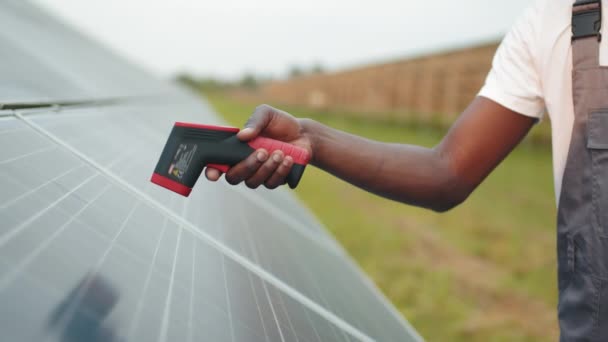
{"x": 212, "y": 174}
{"x": 246, "y": 168}
{"x": 279, "y": 177}
{"x": 260, "y": 118}
{"x": 265, "y": 171}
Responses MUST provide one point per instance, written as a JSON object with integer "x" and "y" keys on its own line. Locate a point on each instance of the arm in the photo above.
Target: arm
{"x": 438, "y": 178}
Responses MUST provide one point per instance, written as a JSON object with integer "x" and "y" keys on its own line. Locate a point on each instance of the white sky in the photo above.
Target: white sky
{"x": 225, "y": 38}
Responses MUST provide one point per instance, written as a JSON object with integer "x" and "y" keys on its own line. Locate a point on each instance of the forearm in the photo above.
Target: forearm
{"x": 438, "y": 178}
{"x": 410, "y": 174}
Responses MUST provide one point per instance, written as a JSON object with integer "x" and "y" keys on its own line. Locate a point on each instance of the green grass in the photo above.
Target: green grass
{"x": 483, "y": 272}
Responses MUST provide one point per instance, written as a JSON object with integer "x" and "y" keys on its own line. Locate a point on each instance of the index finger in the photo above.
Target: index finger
{"x": 247, "y": 167}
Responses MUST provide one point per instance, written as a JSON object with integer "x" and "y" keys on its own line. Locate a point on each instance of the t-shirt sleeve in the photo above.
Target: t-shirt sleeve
{"x": 514, "y": 81}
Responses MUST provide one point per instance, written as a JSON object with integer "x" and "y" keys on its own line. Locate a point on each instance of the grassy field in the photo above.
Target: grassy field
{"x": 485, "y": 271}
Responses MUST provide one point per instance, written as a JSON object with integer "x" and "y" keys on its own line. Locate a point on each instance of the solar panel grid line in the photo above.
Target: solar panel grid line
{"x": 97, "y": 232}
{"x": 280, "y": 264}
{"x": 11, "y": 234}
{"x": 123, "y": 249}
{"x": 309, "y": 230}
{"x": 118, "y": 247}
{"x": 7, "y": 279}
{"x": 307, "y": 211}
{"x": 100, "y": 276}
{"x": 162, "y": 337}
{"x": 8, "y": 122}
{"x": 308, "y": 319}
{"x": 13, "y": 130}
{"x": 321, "y": 300}
{"x": 33, "y": 190}
{"x": 245, "y": 309}
{"x": 249, "y": 240}
{"x": 82, "y": 290}
{"x": 385, "y": 302}
{"x": 236, "y": 302}
{"x": 355, "y": 309}
{"x": 343, "y": 325}
{"x": 344, "y": 295}
{"x": 35, "y": 152}
{"x": 6, "y": 237}
{"x": 255, "y": 297}
{"x": 291, "y": 223}
{"x": 49, "y": 291}
{"x": 125, "y": 276}
{"x": 310, "y": 277}
{"x": 277, "y": 262}
{"x": 47, "y": 148}
{"x": 140, "y": 303}
{"x": 72, "y": 217}
{"x": 147, "y": 321}
{"x": 179, "y": 313}
{"x": 317, "y": 288}
{"x": 228, "y": 303}
{"x": 291, "y": 324}
{"x": 54, "y": 179}
{"x": 191, "y": 299}
{"x": 40, "y": 150}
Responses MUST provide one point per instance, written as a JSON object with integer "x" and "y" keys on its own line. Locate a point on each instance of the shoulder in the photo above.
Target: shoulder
{"x": 547, "y": 14}
{"x": 543, "y": 26}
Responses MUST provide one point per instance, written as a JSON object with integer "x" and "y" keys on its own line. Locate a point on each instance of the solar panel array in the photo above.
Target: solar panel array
{"x": 90, "y": 250}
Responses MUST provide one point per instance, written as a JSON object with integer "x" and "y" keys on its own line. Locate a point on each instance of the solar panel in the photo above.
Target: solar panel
{"x": 90, "y": 250}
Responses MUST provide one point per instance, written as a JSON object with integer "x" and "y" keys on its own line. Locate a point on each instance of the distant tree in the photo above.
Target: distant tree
{"x": 212, "y": 84}
{"x": 295, "y": 71}
{"x": 201, "y": 83}
{"x": 317, "y": 68}
{"x": 187, "y": 80}
{"x": 249, "y": 81}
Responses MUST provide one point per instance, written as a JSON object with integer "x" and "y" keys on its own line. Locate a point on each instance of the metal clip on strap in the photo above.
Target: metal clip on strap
{"x": 587, "y": 19}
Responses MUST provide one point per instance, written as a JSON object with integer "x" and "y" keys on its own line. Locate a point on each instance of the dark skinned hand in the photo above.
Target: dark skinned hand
{"x": 262, "y": 168}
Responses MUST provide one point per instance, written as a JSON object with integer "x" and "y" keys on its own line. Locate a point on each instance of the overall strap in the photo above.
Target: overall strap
{"x": 586, "y": 33}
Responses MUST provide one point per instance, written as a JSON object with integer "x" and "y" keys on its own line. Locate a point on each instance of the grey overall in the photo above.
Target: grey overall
{"x": 582, "y": 243}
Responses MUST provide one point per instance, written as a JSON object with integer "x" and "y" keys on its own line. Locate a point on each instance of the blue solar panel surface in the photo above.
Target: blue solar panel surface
{"x": 90, "y": 250}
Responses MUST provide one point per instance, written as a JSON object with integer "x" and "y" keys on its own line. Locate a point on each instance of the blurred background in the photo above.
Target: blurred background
{"x": 396, "y": 71}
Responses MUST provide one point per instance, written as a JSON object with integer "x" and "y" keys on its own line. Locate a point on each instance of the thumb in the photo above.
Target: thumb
{"x": 248, "y": 133}
{"x": 256, "y": 124}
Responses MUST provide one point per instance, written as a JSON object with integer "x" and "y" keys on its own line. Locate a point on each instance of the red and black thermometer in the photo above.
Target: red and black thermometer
{"x": 192, "y": 147}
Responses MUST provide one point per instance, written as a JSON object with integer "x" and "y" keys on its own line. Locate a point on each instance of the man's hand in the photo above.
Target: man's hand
{"x": 261, "y": 167}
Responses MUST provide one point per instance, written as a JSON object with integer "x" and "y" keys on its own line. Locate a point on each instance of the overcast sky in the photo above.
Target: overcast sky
{"x": 225, "y": 38}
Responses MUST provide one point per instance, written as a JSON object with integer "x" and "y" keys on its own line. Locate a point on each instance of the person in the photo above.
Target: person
{"x": 553, "y": 60}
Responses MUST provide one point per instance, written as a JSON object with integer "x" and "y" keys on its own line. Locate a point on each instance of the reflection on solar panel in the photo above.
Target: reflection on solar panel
{"x": 91, "y": 251}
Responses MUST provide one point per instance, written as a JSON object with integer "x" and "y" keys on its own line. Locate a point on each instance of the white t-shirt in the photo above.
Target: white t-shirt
{"x": 532, "y": 71}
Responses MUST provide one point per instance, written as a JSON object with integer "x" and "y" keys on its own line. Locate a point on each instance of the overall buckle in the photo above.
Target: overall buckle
{"x": 587, "y": 19}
